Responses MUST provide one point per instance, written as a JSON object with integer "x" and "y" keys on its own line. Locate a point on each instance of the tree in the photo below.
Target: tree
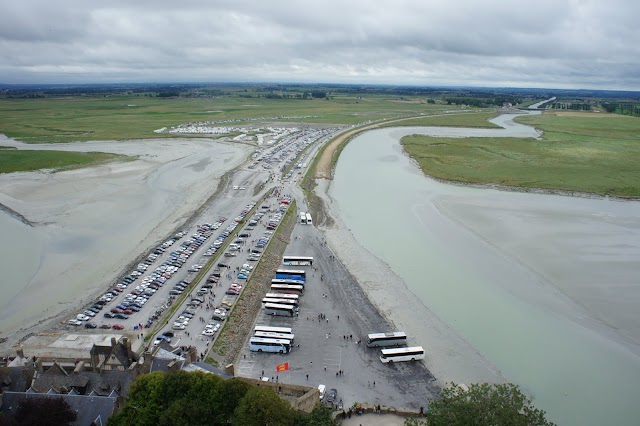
{"x": 320, "y": 416}
{"x": 262, "y": 406}
{"x": 485, "y": 404}
{"x": 44, "y": 412}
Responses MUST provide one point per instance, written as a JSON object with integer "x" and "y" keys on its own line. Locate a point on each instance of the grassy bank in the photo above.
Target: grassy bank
{"x": 12, "y": 160}
{"x": 474, "y": 119}
{"x": 81, "y": 118}
{"x": 587, "y": 154}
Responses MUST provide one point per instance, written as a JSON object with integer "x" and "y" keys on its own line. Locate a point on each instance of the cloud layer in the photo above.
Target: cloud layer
{"x": 541, "y": 43}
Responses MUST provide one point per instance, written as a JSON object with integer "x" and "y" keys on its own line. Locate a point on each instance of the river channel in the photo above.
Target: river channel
{"x": 545, "y": 287}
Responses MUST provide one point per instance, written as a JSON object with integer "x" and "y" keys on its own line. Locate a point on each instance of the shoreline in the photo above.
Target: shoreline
{"x": 450, "y": 357}
{"x": 195, "y": 200}
{"x": 520, "y": 189}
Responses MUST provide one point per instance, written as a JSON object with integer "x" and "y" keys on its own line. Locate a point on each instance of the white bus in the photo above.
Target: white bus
{"x": 303, "y": 218}
{"x": 291, "y": 274}
{"x": 288, "y": 288}
{"x": 280, "y": 301}
{"x": 270, "y": 335}
{"x": 283, "y": 296}
{"x": 286, "y": 281}
{"x": 309, "y": 221}
{"x": 297, "y": 260}
{"x": 397, "y": 338}
{"x": 262, "y": 344}
{"x": 269, "y": 329}
{"x": 401, "y": 354}
{"x": 280, "y": 310}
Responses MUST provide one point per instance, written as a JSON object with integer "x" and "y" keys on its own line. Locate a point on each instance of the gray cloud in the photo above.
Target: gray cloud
{"x": 545, "y": 43}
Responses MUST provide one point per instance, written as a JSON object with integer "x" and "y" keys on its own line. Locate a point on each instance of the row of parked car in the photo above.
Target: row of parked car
{"x": 136, "y": 298}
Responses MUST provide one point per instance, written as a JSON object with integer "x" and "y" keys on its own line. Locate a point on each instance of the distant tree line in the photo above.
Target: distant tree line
{"x": 622, "y": 108}
{"x": 483, "y": 102}
{"x": 575, "y": 106}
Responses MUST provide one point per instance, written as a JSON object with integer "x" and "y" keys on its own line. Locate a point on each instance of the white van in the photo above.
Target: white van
{"x": 323, "y": 390}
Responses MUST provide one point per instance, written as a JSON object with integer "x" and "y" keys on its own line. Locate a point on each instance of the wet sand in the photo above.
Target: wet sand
{"x": 450, "y": 357}
{"x": 90, "y": 223}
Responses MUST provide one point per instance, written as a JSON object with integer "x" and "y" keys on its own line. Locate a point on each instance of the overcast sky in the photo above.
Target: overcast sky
{"x": 519, "y": 43}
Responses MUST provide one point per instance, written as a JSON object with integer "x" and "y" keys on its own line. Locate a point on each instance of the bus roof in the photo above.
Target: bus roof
{"x": 278, "y": 306}
{"x": 279, "y": 301}
{"x": 298, "y": 257}
{"x": 260, "y": 327}
{"x": 290, "y": 271}
{"x": 283, "y": 296}
{"x": 400, "y": 351}
{"x": 270, "y": 340}
{"x": 397, "y": 334}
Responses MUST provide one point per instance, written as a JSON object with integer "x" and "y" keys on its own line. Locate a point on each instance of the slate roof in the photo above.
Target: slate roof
{"x": 103, "y": 383}
{"x": 88, "y": 408}
{"x": 16, "y": 379}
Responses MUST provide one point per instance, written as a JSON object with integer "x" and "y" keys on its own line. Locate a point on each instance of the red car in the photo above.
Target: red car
{"x": 127, "y": 312}
{"x": 117, "y": 327}
{"x": 116, "y": 311}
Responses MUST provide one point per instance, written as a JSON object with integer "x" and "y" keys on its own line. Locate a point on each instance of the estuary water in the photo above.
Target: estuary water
{"x": 545, "y": 287}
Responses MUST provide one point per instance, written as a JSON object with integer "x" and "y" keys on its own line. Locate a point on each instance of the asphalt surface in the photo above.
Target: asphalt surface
{"x": 332, "y": 291}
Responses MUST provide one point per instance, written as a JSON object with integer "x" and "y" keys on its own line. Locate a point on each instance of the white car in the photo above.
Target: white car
{"x": 208, "y": 332}
{"x": 178, "y": 327}
{"x": 82, "y": 317}
{"x": 75, "y": 322}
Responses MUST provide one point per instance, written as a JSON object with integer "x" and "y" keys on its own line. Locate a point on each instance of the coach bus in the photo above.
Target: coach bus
{"x": 396, "y": 338}
{"x": 303, "y": 218}
{"x": 309, "y": 221}
{"x": 269, "y": 329}
{"x": 280, "y": 301}
{"x": 291, "y": 274}
{"x": 297, "y": 260}
{"x": 283, "y": 296}
{"x": 288, "y": 288}
{"x": 280, "y": 310}
{"x": 270, "y": 335}
{"x": 401, "y": 354}
{"x": 286, "y": 281}
{"x": 262, "y": 344}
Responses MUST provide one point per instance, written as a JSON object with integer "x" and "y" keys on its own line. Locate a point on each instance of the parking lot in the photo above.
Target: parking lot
{"x": 324, "y": 351}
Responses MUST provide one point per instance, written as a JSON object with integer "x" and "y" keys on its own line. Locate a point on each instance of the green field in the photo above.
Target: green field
{"x": 24, "y": 161}
{"x": 584, "y": 153}
{"x": 475, "y": 119}
{"x": 119, "y": 117}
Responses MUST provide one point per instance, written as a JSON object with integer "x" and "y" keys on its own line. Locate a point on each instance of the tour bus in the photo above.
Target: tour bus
{"x": 280, "y": 301}
{"x": 288, "y": 288}
{"x": 297, "y": 260}
{"x": 262, "y": 344}
{"x": 280, "y": 310}
{"x": 291, "y": 274}
{"x": 309, "y": 221}
{"x": 401, "y": 354}
{"x": 283, "y": 296}
{"x": 270, "y": 335}
{"x": 287, "y": 281}
{"x": 397, "y": 338}
{"x": 303, "y": 218}
{"x": 269, "y": 329}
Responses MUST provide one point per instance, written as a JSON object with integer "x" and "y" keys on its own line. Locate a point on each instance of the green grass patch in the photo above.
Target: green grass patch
{"x": 476, "y": 119}
{"x": 82, "y": 118}
{"x": 12, "y": 160}
{"x": 587, "y": 154}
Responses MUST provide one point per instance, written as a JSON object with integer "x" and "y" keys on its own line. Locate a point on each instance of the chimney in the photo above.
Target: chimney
{"x": 127, "y": 344}
{"x": 39, "y": 368}
{"x": 20, "y": 352}
{"x": 113, "y": 342}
